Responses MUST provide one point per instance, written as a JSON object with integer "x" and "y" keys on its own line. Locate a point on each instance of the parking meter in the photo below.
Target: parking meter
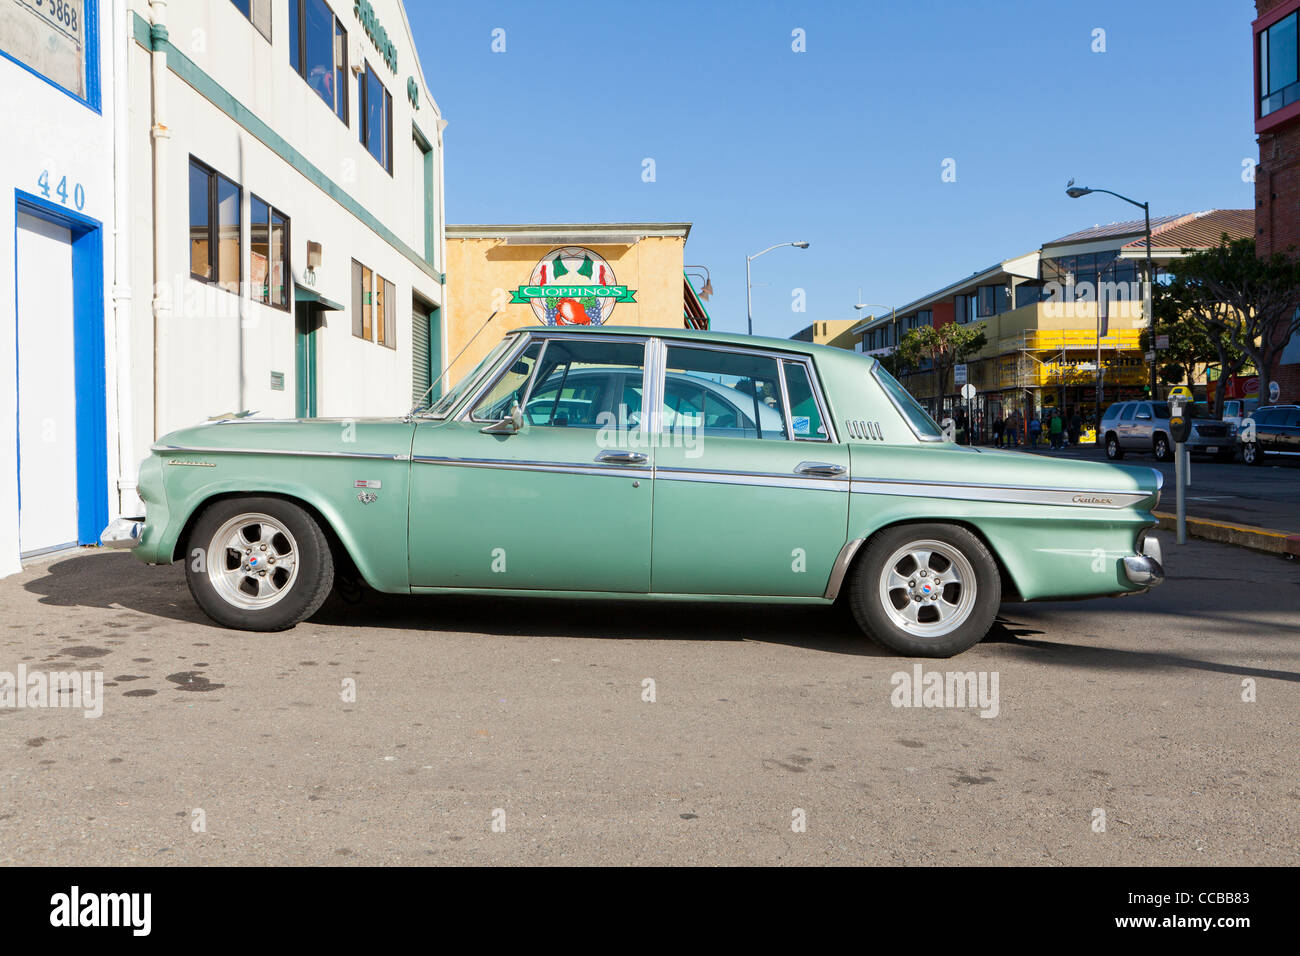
{"x": 1180, "y": 426}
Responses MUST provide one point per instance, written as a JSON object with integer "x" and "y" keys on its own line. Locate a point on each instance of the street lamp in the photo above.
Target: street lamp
{"x": 749, "y": 286}
{"x": 1075, "y": 192}
{"x": 876, "y": 305}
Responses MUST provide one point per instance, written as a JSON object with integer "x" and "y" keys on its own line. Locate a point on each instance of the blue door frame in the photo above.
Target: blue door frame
{"x": 88, "y": 356}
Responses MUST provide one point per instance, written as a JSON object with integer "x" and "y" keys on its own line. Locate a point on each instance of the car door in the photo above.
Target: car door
{"x": 563, "y": 503}
{"x": 1140, "y": 430}
{"x": 751, "y": 489}
{"x": 1288, "y": 436}
{"x": 1124, "y": 427}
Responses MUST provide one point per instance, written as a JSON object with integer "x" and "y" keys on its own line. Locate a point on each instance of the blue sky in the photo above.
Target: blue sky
{"x": 841, "y": 145}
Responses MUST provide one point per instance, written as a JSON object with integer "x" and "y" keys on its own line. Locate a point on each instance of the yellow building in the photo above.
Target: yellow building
{"x": 838, "y": 333}
{"x": 1062, "y": 323}
{"x": 629, "y": 273}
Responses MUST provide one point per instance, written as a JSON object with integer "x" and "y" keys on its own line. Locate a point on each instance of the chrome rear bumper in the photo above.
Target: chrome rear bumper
{"x": 1145, "y": 569}
{"x": 123, "y": 533}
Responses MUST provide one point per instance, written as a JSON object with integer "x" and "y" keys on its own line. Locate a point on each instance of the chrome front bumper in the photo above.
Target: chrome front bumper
{"x": 123, "y": 533}
{"x": 1145, "y": 569}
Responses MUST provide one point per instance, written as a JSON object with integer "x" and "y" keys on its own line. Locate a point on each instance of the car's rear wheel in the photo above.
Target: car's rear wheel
{"x": 1162, "y": 449}
{"x": 1113, "y": 449}
{"x": 258, "y": 564}
{"x": 1250, "y": 453}
{"x": 925, "y": 590}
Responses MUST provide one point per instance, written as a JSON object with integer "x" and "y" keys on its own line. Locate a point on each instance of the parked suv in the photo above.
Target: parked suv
{"x": 1270, "y": 430}
{"x": 1144, "y": 427}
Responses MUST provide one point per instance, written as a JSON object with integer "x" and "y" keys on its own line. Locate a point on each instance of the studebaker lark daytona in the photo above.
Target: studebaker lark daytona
{"x": 655, "y": 463}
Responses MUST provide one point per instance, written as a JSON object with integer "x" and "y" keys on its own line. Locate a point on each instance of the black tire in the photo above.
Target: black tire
{"x": 870, "y": 572}
{"x": 1251, "y": 454}
{"x": 1114, "y": 451}
{"x": 233, "y": 592}
{"x": 1161, "y": 448}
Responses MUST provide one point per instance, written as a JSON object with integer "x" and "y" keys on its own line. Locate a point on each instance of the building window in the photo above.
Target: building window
{"x": 1279, "y": 65}
{"x": 992, "y": 300}
{"x": 214, "y": 227}
{"x": 268, "y": 241}
{"x": 258, "y": 13}
{"x": 374, "y": 306}
{"x": 376, "y": 126}
{"x": 318, "y": 51}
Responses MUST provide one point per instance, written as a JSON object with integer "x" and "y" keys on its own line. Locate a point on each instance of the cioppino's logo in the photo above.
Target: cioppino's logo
{"x": 1092, "y": 500}
{"x": 572, "y": 286}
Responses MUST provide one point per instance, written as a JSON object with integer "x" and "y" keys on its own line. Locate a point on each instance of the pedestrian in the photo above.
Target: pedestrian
{"x": 1056, "y": 429}
{"x": 1035, "y": 429}
{"x": 1013, "y": 430}
{"x": 998, "y": 427}
{"x": 1076, "y": 427}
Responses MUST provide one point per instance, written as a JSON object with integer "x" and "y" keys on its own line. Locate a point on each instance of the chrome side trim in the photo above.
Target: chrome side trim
{"x": 205, "y": 450}
{"x": 1069, "y": 497}
{"x": 841, "y": 568}
{"x": 764, "y": 479}
{"x": 504, "y": 464}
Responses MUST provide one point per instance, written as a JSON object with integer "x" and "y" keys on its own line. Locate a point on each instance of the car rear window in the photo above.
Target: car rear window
{"x": 925, "y": 427}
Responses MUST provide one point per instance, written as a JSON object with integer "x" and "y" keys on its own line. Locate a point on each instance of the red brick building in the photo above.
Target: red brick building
{"x": 1276, "y": 34}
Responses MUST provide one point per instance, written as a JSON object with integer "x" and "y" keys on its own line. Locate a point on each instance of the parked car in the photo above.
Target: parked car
{"x": 659, "y": 464}
{"x": 1144, "y": 427}
{"x": 1270, "y": 430}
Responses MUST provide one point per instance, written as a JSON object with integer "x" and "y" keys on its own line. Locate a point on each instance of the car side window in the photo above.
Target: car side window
{"x": 585, "y": 384}
{"x": 723, "y": 393}
{"x": 508, "y": 388}
{"x": 1293, "y": 419}
{"x": 805, "y": 414}
{"x": 1128, "y": 413}
{"x": 1263, "y": 418}
{"x": 1144, "y": 411}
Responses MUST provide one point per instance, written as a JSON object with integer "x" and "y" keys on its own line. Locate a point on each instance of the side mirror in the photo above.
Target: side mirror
{"x": 511, "y": 425}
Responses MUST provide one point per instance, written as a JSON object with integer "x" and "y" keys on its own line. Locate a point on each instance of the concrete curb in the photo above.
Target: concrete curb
{"x": 1242, "y": 535}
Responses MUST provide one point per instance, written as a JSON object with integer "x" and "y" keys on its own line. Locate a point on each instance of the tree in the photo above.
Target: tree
{"x": 1193, "y": 340}
{"x": 1253, "y": 303}
{"x": 944, "y": 346}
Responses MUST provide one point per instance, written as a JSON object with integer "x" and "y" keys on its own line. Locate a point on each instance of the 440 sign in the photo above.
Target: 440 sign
{"x": 572, "y": 286}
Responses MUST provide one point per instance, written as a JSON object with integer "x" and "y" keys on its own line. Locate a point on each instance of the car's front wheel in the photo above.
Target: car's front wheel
{"x": 258, "y": 564}
{"x": 1113, "y": 449}
{"x": 925, "y": 590}
{"x": 1250, "y": 453}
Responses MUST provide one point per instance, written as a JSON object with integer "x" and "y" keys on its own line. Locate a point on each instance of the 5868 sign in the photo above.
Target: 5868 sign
{"x": 52, "y": 190}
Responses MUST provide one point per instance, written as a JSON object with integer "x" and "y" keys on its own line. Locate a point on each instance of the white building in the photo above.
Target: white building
{"x": 57, "y": 64}
{"x": 282, "y": 244}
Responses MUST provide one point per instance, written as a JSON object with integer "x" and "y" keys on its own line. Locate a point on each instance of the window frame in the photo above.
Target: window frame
{"x": 363, "y": 124}
{"x": 271, "y": 212}
{"x": 341, "y": 107}
{"x": 388, "y": 320}
{"x": 214, "y": 229}
{"x": 1264, "y": 60}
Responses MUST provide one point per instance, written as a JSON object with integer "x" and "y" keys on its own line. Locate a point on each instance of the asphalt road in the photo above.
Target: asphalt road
{"x": 1267, "y": 495}
{"x": 533, "y": 711}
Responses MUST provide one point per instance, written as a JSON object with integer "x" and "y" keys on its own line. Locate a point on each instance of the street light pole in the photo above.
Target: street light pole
{"x": 749, "y": 285}
{"x": 1075, "y": 192}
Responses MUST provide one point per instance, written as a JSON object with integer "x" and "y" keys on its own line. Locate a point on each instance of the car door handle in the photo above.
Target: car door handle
{"x": 822, "y": 468}
{"x": 611, "y": 457}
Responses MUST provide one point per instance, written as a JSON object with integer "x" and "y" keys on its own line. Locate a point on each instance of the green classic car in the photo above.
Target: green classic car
{"x": 653, "y": 463}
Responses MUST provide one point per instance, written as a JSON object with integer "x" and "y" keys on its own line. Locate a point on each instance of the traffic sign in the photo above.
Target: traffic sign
{"x": 959, "y": 374}
{"x": 968, "y": 392}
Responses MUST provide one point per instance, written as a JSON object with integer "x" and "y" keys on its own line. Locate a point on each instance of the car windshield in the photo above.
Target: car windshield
{"x": 920, "y": 420}
{"x": 444, "y": 405}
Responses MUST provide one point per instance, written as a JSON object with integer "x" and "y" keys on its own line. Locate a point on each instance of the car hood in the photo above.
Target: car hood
{"x": 328, "y": 436}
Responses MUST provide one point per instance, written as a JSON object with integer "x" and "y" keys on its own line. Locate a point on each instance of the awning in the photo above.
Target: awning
{"x": 302, "y": 293}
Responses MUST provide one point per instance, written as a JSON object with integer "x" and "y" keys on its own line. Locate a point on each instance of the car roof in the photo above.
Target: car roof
{"x": 696, "y": 336}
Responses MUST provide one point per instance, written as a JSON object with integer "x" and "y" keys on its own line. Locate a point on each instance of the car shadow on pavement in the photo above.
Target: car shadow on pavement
{"x": 1095, "y": 657}
{"x": 105, "y": 581}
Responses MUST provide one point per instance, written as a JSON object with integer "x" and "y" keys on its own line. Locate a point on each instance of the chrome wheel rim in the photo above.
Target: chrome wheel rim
{"x": 1248, "y": 453}
{"x": 1112, "y": 448}
{"x": 927, "y": 588}
{"x": 1161, "y": 449}
{"x": 253, "y": 561}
